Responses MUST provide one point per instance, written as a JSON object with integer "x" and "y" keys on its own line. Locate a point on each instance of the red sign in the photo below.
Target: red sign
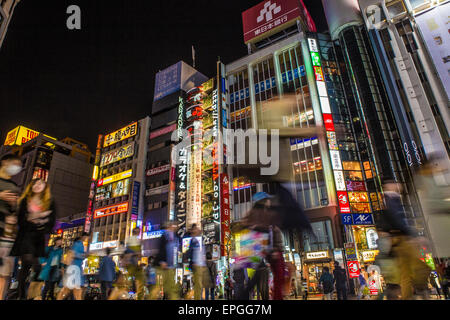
{"x": 328, "y": 121}
{"x": 344, "y": 205}
{"x": 353, "y": 269}
{"x": 319, "y": 74}
{"x": 162, "y": 131}
{"x": 269, "y": 15}
{"x": 225, "y": 232}
{"x": 355, "y": 186}
{"x": 108, "y": 211}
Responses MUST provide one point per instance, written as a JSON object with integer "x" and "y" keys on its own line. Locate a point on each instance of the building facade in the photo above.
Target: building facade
{"x": 6, "y": 11}
{"x": 115, "y": 205}
{"x": 66, "y": 165}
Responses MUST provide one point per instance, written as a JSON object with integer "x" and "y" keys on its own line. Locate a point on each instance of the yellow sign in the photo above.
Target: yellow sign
{"x": 117, "y": 154}
{"x": 120, "y": 134}
{"x": 316, "y": 255}
{"x": 21, "y": 135}
{"x": 95, "y": 173}
{"x": 114, "y": 178}
{"x": 208, "y": 85}
{"x": 369, "y": 255}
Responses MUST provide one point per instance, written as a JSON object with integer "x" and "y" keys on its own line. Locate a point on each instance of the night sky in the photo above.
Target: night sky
{"x": 79, "y": 83}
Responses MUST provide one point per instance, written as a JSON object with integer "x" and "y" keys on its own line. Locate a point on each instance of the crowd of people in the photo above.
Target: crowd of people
{"x": 259, "y": 270}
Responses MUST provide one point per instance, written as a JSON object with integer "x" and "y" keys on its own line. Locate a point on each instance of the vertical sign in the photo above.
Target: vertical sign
{"x": 135, "y": 201}
{"x": 89, "y": 211}
{"x": 225, "y": 233}
{"x": 181, "y": 191}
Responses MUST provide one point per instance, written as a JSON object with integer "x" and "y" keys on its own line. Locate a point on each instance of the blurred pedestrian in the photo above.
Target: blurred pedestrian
{"x": 340, "y": 281}
{"x": 228, "y": 288}
{"x": 294, "y": 288}
{"x": 164, "y": 261}
{"x": 410, "y": 272}
{"x": 10, "y": 165}
{"x": 73, "y": 278}
{"x": 107, "y": 274}
{"x": 362, "y": 289}
{"x": 197, "y": 262}
{"x": 211, "y": 275}
{"x": 36, "y": 218}
{"x": 132, "y": 257}
{"x": 305, "y": 289}
{"x": 51, "y": 269}
{"x": 150, "y": 273}
{"x": 326, "y": 280}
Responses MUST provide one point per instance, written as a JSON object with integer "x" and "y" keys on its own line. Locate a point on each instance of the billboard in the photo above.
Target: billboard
{"x": 163, "y": 131}
{"x": 270, "y": 17}
{"x": 434, "y": 26}
{"x": 110, "y": 210}
{"x": 20, "y": 135}
{"x": 121, "y": 134}
{"x": 167, "y": 81}
{"x": 117, "y": 154}
{"x": 115, "y": 177}
{"x": 113, "y": 190}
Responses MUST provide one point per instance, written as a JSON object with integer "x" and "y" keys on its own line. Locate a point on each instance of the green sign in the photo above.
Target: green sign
{"x": 315, "y": 56}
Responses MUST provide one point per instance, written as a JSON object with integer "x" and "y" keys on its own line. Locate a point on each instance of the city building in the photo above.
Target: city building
{"x": 171, "y": 85}
{"x": 393, "y": 87}
{"x": 6, "y": 12}
{"x": 65, "y": 165}
{"x": 69, "y": 229}
{"x": 115, "y": 205}
{"x": 336, "y": 178}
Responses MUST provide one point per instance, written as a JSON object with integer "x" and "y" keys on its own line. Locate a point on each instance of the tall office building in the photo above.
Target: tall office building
{"x": 334, "y": 178}
{"x": 116, "y": 198}
{"x": 171, "y": 85}
{"x": 66, "y": 165}
{"x": 6, "y": 12}
{"x": 395, "y": 83}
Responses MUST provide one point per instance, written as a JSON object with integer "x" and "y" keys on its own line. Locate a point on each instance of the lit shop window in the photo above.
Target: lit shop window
{"x": 241, "y": 183}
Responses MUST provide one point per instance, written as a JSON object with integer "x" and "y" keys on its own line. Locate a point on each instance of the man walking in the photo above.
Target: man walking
{"x": 326, "y": 279}
{"x": 340, "y": 281}
{"x": 107, "y": 274}
{"x": 197, "y": 261}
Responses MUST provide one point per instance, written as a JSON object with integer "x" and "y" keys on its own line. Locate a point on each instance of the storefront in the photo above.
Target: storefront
{"x": 314, "y": 262}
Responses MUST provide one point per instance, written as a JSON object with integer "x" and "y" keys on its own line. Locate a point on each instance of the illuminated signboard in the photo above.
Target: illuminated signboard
{"x": 181, "y": 195}
{"x": 319, "y": 74}
{"x": 358, "y": 196}
{"x": 353, "y": 269}
{"x": 335, "y": 160}
{"x": 152, "y": 235}
{"x": 114, "y": 178}
{"x": 332, "y": 143}
{"x": 315, "y": 57}
{"x": 344, "y": 205}
{"x": 225, "y": 221}
{"x": 339, "y": 180}
{"x": 158, "y": 170}
{"x": 113, "y": 190}
{"x": 269, "y": 17}
{"x": 362, "y": 218}
{"x": 160, "y": 132}
{"x": 117, "y": 154}
{"x": 21, "y": 135}
{"x": 328, "y": 122}
{"x": 121, "y": 134}
{"x": 111, "y": 210}
{"x": 372, "y": 237}
{"x": 369, "y": 255}
{"x": 317, "y": 255}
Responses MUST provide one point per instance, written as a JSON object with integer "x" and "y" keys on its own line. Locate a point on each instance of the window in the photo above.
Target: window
{"x": 323, "y": 239}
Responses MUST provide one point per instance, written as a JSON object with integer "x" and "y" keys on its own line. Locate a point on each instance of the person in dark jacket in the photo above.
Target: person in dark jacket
{"x": 340, "y": 281}
{"x": 165, "y": 260}
{"x": 51, "y": 269}
{"x": 211, "y": 274}
{"x": 36, "y": 218}
{"x": 327, "y": 281}
{"x": 107, "y": 274}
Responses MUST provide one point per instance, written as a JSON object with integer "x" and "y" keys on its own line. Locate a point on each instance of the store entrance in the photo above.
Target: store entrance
{"x": 313, "y": 273}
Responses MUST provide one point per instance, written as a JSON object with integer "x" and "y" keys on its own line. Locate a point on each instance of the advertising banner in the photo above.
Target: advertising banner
{"x": 434, "y": 26}
{"x": 110, "y": 210}
{"x": 269, "y": 17}
{"x": 167, "y": 81}
{"x": 135, "y": 200}
{"x": 115, "y": 177}
{"x": 163, "y": 131}
{"x": 347, "y": 219}
{"x": 353, "y": 269}
{"x": 362, "y": 219}
{"x": 158, "y": 170}
{"x": 21, "y": 135}
{"x": 350, "y": 251}
{"x": 113, "y": 190}
{"x": 344, "y": 205}
{"x": 225, "y": 214}
{"x": 117, "y": 154}
{"x": 121, "y": 134}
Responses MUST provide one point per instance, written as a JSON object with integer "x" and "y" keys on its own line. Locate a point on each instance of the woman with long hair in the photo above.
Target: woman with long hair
{"x": 36, "y": 218}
